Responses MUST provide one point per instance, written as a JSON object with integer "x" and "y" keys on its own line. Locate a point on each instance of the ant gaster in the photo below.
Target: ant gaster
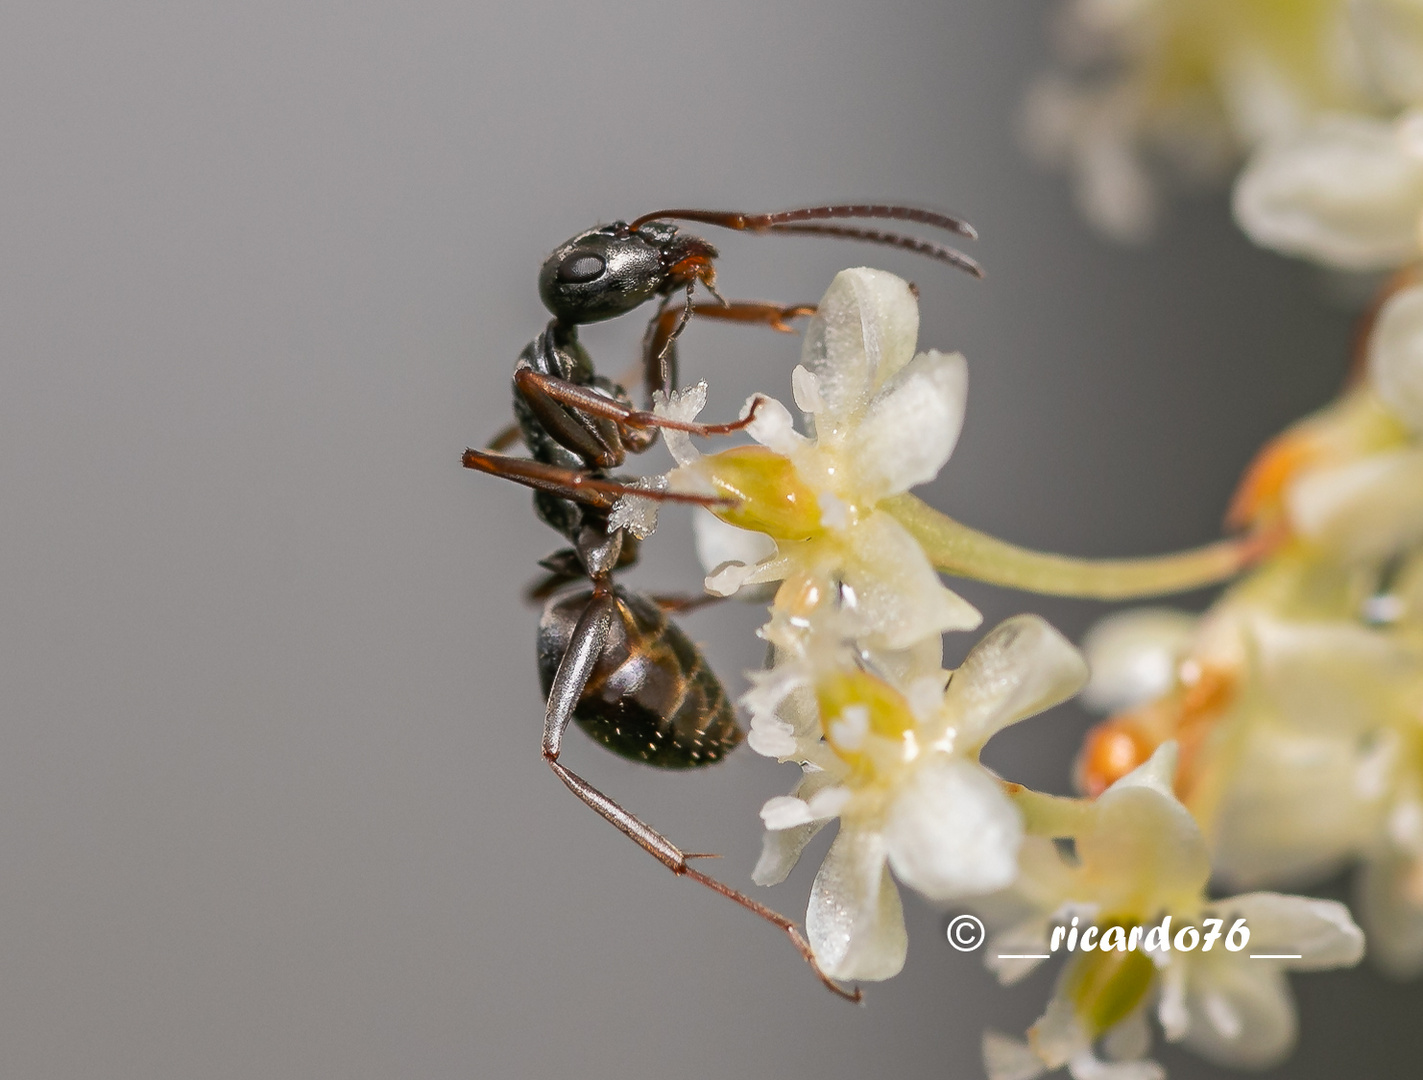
{"x": 611, "y": 659}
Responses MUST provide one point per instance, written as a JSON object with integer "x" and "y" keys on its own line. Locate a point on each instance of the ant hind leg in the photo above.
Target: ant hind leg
{"x": 590, "y": 635}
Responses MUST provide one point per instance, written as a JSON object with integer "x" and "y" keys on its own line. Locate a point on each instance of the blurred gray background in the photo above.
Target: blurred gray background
{"x": 271, "y": 803}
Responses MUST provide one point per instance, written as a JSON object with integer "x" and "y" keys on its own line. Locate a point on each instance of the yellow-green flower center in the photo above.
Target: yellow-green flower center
{"x": 1106, "y": 987}
{"x": 770, "y": 496}
{"x": 867, "y": 723}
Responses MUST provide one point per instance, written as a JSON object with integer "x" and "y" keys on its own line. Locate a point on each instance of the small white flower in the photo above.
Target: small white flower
{"x": 899, "y": 767}
{"x": 1139, "y": 858}
{"x": 1180, "y": 89}
{"x": 884, "y": 420}
{"x": 1346, "y": 192}
{"x": 1134, "y": 656}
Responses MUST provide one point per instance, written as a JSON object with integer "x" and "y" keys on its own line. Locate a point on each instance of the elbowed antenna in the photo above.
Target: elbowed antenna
{"x": 802, "y": 221}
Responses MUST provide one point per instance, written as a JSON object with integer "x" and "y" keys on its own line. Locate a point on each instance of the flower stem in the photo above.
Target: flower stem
{"x": 1049, "y": 815}
{"x": 960, "y": 551}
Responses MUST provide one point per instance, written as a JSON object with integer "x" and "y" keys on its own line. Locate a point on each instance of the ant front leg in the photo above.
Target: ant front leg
{"x": 583, "y": 487}
{"x": 659, "y": 348}
{"x": 585, "y": 647}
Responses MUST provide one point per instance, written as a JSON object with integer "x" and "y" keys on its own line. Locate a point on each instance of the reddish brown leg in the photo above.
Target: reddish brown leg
{"x": 585, "y": 646}
{"x": 592, "y": 403}
{"x": 572, "y": 484}
{"x": 504, "y": 438}
{"x": 681, "y": 603}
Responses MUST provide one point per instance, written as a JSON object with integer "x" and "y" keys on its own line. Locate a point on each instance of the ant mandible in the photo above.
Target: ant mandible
{"x": 609, "y": 658}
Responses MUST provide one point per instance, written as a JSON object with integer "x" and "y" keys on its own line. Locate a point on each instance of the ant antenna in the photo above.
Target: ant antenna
{"x": 803, "y": 221}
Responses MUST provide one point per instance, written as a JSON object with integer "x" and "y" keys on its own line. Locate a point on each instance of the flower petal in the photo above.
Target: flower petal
{"x": 1368, "y": 509}
{"x": 780, "y": 850}
{"x": 719, "y": 543}
{"x": 1087, "y": 1066}
{"x": 1396, "y": 355}
{"x": 1020, "y": 668}
{"x": 773, "y": 427}
{"x": 1141, "y": 837}
{"x": 1321, "y": 932}
{"x": 1133, "y": 656}
{"x": 1130, "y": 1039}
{"x": 864, "y": 331}
{"x": 785, "y": 812}
{"x": 1345, "y": 192}
{"x": 896, "y": 590}
{"x": 1058, "y": 1036}
{"x": 1009, "y": 1059}
{"x": 1305, "y": 805}
{"x": 952, "y": 832}
{"x": 1334, "y": 677}
{"x": 911, "y": 425}
{"x": 1390, "y": 36}
{"x": 1240, "y": 1011}
{"x": 1390, "y": 890}
{"x": 854, "y": 923}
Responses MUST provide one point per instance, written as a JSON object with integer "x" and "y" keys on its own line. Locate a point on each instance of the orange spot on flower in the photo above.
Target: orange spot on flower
{"x": 1187, "y": 714}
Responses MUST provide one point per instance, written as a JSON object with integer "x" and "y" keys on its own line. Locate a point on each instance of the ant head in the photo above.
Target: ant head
{"x": 605, "y": 272}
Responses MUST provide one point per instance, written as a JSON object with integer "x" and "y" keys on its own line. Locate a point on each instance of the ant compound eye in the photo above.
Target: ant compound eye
{"x": 581, "y": 267}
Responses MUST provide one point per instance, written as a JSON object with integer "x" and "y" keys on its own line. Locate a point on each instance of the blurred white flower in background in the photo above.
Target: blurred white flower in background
{"x": 1138, "y": 859}
{"x": 1298, "y": 698}
{"x": 1183, "y": 88}
{"x": 1346, "y": 192}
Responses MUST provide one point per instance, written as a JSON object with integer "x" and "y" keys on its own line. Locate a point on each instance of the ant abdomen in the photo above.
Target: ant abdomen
{"x": 651, "y": 696}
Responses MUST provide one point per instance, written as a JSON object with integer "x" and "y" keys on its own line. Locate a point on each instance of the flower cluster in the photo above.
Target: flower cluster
{"x": 888, "y": 741}
{"x": 1138, "y": 857}
{"x": 1195, "y": 84}
{"x": 1298, "y": 698}
{"x": 1261, "y": 745}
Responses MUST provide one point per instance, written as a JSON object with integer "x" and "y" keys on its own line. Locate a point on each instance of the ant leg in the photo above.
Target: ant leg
{"x": 681, "y": 603}
{"x": 590, "y": 402}
{"x": 572, "y": 484}
{"x": 667, "y": 324}
{"x": 590, "y": 635}
{"x": 569, "y": 419}
{"x": 504, "y": 438}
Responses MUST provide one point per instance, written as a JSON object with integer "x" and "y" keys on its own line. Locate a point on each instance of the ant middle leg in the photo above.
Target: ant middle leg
{"x": 585, "y": 647}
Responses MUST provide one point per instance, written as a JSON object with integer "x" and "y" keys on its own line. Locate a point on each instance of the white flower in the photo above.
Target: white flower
{"x": 1347, "y": 192}
{"x": 883, "y": 420}
{"x": 894, "y": 755}
{"x": 1134, "y": 656}
{"x": 1192, "y": 84}
{"x": 1367, "y": 503}
{"x": 1138, "y": 857}
{"x": 1336, "y": 774}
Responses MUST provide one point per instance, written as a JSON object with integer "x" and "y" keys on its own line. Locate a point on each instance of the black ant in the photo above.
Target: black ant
{"x": 609, "y": 658}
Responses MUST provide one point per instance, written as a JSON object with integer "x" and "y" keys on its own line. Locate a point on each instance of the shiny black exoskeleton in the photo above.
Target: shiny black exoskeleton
{"x": 651, "y": 696}
{"x": 609, "y": 658}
